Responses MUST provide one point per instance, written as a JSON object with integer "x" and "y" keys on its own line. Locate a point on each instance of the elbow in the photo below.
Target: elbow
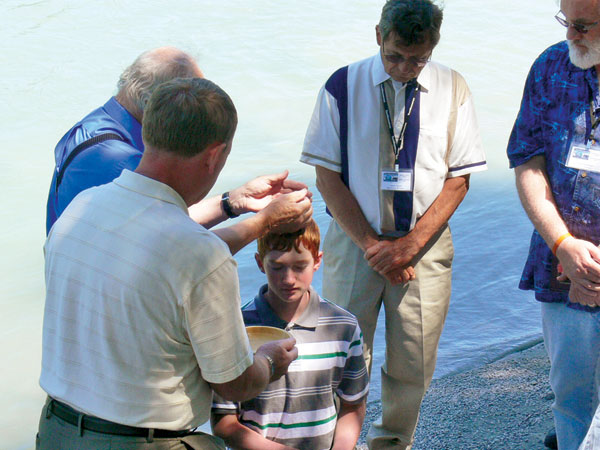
{"x": 463, "y": 187}
{"x": 245, "y": 387}
{"x": 321, "y": 183}
{"x": 235, "y": 392}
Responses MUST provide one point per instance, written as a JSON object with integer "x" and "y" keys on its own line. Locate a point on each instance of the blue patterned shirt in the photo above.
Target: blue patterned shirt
{"x": 555, "y": 113}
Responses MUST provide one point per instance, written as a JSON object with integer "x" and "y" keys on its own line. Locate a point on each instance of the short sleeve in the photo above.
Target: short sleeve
{"x": 213, "y": 320}
{"x": 526, "y": 138}
{"x": 354, "y": 386}
{"x": 466, "y": 149}
{"x": 322, "y": 141}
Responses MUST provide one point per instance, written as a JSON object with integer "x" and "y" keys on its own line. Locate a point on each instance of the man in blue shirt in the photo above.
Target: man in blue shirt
{"x": 553, "y": 148}
{"x": 109, "y": 139}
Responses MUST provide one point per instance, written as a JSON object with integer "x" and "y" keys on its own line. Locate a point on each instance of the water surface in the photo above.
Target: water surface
{"x": 62, "y": 58}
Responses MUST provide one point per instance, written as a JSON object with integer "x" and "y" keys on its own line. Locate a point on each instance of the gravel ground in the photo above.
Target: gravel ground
{"x": 504, "y": 405}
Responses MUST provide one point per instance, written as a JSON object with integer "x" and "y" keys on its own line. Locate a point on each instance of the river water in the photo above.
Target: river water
{"x": 61, "y": 59}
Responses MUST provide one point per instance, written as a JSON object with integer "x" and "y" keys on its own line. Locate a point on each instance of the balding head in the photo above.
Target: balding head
{"x": 148, "y": 71}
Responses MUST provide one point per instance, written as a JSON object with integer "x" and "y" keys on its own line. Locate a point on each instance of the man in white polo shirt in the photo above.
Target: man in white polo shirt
{"x": 394, "y": 139}
{"x": 142, "y": 316}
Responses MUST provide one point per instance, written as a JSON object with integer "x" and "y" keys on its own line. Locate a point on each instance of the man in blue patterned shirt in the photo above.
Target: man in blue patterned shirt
{"x": 554, "y": 150}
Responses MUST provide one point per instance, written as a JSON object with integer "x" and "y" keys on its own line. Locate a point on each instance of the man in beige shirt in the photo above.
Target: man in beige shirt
{"x": 142, "y": 317}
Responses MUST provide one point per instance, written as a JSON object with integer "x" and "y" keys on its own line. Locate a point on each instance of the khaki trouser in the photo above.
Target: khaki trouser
{"x": 414, "y": 318}
{"x": 57, "y": 434}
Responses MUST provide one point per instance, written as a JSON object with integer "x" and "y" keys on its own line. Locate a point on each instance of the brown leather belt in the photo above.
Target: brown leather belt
{"x": 91, "y": 423}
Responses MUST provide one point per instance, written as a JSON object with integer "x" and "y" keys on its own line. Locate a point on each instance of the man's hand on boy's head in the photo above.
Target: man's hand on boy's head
{"x": 282, "y": 353}
{"x": 256, "y": 194}
{"x": 288, "y": 212}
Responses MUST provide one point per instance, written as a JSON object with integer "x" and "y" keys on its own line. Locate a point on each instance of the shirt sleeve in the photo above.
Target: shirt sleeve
{"x": 466, "y": 149}
{"x": 354, "y": 386}
{"x": 322, "y": 141}
{"x": 223, "y": 407}
{"x": 215, "y": 326}
{"x": 526, "y": 138}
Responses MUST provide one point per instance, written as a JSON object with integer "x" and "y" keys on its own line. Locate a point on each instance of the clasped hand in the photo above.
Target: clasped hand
{"x": 579, "y": 260}
{"x": 392, "y": 259}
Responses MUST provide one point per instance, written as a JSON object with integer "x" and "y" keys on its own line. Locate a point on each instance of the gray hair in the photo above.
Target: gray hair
{"x": 151, "y": 69}
{"x": 414, "y": 21}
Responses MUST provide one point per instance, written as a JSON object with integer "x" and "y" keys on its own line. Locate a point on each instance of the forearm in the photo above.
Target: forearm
{"x": 349, "y": 423}
{"x": 238, "y": 436}
{"x": 578, "y": 257}
{"x": 537, "y": 199}
{"x": 252, "y": 382}
{"x": 345, "y": 209}
{"x": 208, "y": 212}
{"x": 271, "y": 362}
{"x": 440, "y": 211}
{"x": 240, "y": 234}
{"x": 392, "y": 258}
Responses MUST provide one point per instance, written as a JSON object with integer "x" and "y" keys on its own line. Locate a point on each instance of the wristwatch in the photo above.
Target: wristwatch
{"x": 227, "y": 206}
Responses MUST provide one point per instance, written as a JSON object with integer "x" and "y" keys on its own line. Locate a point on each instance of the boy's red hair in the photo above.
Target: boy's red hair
{"x": 308, "y": 236}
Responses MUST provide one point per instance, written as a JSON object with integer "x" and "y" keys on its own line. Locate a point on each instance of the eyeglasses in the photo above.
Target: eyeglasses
{"x": 579, "y": 27}
{"x": 400, "y": 59}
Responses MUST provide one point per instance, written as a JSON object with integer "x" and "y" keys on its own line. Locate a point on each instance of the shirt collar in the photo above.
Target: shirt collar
{"x": 589, "y": 75}
{"x": 379, "y": 75}
{"x": 592, "y": 80}
{"x": 150, "y": 187}
{"x": 308, "y": 319}
{"x": 124, "y": 117}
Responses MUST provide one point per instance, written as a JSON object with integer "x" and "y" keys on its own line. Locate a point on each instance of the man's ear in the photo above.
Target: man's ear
{"x": 259, "y": 262}
{"x": 378, "y": 35}
{"x": 213, "y": 155}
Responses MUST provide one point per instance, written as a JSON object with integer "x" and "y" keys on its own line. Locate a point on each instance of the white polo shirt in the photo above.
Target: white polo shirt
{"x": 142, "y": 308}
{"x": 443, "y": 150}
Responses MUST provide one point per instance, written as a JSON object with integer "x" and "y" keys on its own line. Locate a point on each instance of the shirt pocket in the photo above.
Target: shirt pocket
{"x": 431, "y": 166}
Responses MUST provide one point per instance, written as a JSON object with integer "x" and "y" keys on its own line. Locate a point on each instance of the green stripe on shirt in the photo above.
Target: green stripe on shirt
{"x": 292, "y": 425}
{"x": 324, "y": 355}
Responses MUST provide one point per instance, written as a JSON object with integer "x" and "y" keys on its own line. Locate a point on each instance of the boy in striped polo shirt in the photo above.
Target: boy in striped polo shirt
{"x": 320, "y": 402}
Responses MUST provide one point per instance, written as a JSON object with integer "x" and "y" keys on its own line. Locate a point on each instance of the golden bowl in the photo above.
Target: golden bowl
{"x": 260, "y": 335}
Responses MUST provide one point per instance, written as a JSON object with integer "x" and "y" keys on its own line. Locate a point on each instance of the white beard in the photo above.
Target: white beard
{"x": 584, "y": 59}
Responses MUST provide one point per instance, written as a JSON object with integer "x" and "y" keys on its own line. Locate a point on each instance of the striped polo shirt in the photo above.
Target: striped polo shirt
{"x": 299, "y": 409}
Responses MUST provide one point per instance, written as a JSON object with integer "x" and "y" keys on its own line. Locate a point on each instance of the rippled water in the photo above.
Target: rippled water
{"x": 61, "y": 58}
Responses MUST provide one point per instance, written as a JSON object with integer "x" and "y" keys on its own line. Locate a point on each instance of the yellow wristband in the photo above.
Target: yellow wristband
{"x": 559, "y": 241}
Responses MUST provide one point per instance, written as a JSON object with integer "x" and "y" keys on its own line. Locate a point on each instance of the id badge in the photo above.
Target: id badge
{"x": 397, "y": 180}
{"x": 584, "y": 157}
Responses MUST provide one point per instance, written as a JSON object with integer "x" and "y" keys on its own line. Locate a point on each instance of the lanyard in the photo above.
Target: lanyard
{"x": 398, "y": 145}
{"x": 595, "y": 121}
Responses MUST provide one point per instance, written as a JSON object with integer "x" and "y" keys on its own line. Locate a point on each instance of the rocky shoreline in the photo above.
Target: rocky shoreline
{"x": 504, "y": 405}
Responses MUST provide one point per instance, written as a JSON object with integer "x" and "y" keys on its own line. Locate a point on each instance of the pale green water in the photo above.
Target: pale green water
{"x": 61, "y": 58}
